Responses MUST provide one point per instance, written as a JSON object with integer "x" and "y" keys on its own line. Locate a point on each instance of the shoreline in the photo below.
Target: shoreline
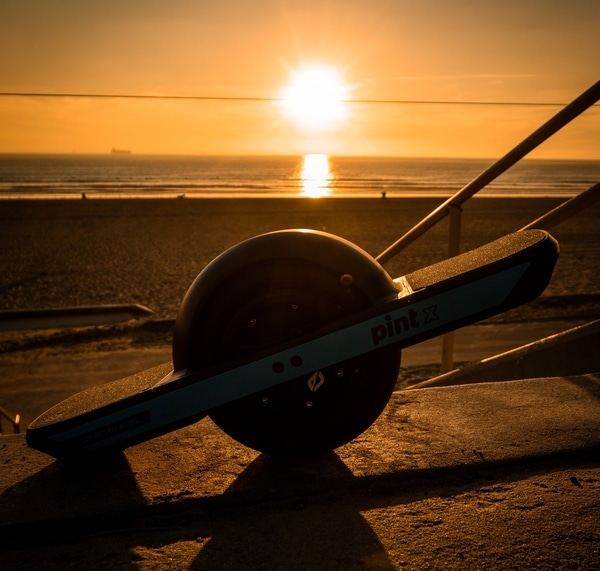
{"x": 376, "y": 195}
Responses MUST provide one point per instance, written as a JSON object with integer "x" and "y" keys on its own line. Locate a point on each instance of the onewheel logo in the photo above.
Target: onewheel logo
{"x": 315, "y": 381}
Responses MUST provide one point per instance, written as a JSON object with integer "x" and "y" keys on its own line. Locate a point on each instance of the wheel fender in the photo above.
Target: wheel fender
{"x": 322, "y": 248}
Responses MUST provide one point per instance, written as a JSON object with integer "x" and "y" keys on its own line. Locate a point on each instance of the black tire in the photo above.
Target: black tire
{"x": 257, "y": 297}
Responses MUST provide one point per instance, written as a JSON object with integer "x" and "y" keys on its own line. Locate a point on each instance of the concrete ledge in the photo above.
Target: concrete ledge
{"x": 422, "y": 432}
{"x": 20, "y": 319}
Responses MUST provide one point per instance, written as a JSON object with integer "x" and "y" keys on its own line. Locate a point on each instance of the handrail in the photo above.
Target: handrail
{"x": 566, "y": 209}
{"x": 554, "y": 124}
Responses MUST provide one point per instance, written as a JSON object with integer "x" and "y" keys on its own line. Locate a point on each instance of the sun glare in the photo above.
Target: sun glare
{"x": 315, "y": 96}
{"x": 316, "y": 176}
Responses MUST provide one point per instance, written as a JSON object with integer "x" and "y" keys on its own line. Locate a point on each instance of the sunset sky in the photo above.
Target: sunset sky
{"x": 530, "y": 51}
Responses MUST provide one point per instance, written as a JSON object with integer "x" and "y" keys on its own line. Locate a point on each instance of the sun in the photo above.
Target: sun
{"x": 314, "y": 96}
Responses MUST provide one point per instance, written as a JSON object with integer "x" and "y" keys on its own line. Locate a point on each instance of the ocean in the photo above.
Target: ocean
{"x": 130, "y": 175}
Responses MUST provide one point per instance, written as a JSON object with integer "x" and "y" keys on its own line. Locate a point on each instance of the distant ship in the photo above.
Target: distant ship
{"x": 120, "y": 151}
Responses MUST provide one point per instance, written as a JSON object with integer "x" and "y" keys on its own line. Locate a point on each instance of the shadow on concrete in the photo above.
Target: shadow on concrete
{"x": 63, "y": 497}
{"x": 308, "y": 523}
{"x": 278, "y": 513}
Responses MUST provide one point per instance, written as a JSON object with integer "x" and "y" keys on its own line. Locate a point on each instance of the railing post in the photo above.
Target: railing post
{"x": 455, "y": 213}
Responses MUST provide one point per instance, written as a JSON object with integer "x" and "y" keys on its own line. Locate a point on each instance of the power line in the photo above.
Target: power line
{"x": 275, "y": 99}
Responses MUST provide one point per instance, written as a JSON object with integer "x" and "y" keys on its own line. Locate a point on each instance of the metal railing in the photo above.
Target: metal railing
{"x": 453, "y": 206}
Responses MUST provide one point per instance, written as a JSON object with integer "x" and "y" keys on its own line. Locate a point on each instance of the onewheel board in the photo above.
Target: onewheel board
{"x": 291, "y": 342}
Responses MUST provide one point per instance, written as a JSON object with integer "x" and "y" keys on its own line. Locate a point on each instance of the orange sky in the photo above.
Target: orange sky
{"x": 433, "y": 50}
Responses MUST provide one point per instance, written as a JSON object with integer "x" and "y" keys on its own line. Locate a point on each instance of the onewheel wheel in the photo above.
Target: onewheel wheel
{"x": 272, "y": 297}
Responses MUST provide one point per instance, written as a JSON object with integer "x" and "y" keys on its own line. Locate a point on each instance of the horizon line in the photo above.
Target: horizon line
{"x": 131, "y": 154}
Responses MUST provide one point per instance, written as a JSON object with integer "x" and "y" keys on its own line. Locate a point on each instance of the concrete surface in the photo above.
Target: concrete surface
{"x": 474, "y": 476}
{"x": 502, "y": 475}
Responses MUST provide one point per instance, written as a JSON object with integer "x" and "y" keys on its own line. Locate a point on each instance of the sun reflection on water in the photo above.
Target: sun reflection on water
{"x": 316, "y": 176}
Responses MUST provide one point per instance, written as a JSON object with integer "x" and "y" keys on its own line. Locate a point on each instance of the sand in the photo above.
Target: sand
{"x": 75, "y": 252}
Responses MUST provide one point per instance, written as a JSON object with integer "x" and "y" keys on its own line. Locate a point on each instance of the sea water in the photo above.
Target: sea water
{"x": 130, "y": 175}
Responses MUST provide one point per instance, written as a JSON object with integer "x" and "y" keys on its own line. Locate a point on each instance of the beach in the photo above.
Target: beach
{"x": 59, "y": 253}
